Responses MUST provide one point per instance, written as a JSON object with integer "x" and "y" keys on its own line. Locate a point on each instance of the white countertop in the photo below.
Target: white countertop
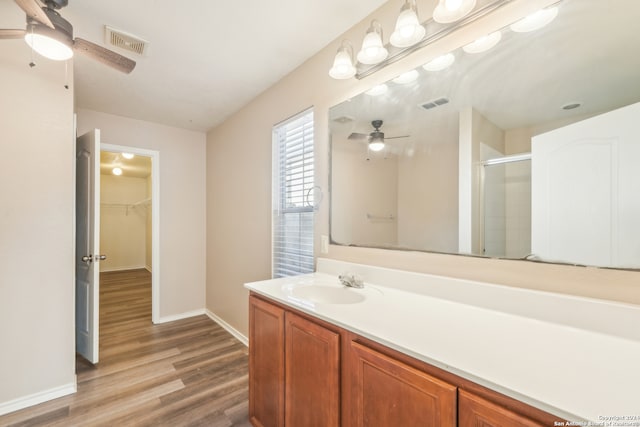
{"x": 574, "y": 357}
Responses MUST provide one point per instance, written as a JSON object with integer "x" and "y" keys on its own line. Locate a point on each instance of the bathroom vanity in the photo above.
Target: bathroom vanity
{"x": 416, "y": 349}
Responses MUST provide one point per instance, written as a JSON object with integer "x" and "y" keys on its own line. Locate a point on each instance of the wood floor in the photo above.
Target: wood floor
{"x": 185, "y": 373}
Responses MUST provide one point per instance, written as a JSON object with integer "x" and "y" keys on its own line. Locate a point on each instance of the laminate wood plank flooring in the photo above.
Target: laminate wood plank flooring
{"x": 189, "y": 372}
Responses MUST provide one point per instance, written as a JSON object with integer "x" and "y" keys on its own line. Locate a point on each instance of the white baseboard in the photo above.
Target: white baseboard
{"x": 148, "y": 268}
{"x": 181, "y": 316}
{"x": 36, "y": 398}
{"x": 133, "y": 267}
{"x": 233, "y": 331}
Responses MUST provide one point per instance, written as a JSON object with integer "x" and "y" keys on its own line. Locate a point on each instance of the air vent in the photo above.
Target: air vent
{"x": 434, "y": 103}
{"x": 125, "y": 41}
{"x": 343, "y": 119}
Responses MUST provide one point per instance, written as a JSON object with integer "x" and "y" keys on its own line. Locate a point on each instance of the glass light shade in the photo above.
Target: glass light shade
{"x": 117, "y": 171}
{"x": 343, "y": 67}
{"x": 408, "y": 77}
{"x": 483, "y": 43}
{"x": 535, "y": 21}
{"x": 408, "y": 30}
{"x": 376, "y": 144}
{"x": 378, "y": 90}
{"x": 452, "y": 10}
{"x": 128, "y": 156}
{"x": 48, "y": 46}
{"x": 373, "y": 51}
{"x": 440, "y": 63}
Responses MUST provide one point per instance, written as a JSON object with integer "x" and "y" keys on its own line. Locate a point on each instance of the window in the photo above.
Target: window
{"x": 293, "y": 205}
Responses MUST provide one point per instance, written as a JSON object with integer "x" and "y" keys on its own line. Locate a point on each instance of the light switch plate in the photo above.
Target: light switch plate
{"x": 324, "y": 244}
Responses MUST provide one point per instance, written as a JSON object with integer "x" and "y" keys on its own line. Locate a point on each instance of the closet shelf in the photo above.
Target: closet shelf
{"x": 141, "y": 203}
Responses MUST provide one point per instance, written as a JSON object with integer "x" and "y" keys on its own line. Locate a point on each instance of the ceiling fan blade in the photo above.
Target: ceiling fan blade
{"x": 103, "y": 55}
{"x": 356, "y": 135}
{"x": 12, "y": 34}
{"x": 396, "y": 137}
{"x": 33, "y": 9}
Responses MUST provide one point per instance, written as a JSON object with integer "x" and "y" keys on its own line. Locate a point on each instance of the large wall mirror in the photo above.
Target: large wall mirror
{"x": 528, "y": 150}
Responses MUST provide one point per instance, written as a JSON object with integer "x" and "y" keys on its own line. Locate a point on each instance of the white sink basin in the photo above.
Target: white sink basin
{"x": 327, "y": 294}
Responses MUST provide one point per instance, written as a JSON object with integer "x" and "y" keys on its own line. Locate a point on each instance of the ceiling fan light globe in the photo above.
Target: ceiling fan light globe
{"x": 49, "y": 47}
{"x": 376, "y": 145}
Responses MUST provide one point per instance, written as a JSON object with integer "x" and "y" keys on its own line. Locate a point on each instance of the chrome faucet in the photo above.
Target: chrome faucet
{"x": 351, "y": 280}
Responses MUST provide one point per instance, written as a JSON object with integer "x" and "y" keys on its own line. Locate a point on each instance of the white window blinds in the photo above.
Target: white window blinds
{"x": 293, "y": 175}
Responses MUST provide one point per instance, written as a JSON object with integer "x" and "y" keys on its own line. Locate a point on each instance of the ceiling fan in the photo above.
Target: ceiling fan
{"x": 51, "y": 36}
{"x": 376, "y": 138}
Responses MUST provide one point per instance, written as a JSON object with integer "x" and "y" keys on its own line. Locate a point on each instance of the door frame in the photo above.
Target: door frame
{"x": 155, "y": 219}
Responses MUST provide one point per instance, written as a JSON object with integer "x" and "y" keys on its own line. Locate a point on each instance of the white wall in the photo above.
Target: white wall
{"x": 123, "y": 223}
{"x": 37, "y": 194}
{"x": 239, "y": 210}
{"x": 182, "y": 262}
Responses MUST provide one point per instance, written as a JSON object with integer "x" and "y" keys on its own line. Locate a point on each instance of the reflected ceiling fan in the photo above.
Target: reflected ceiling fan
{"x": 376, "y": 138}
{"x": 51, "y": 36}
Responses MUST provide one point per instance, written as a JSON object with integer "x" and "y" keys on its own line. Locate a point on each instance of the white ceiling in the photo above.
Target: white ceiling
{"x": 207, "y": 58}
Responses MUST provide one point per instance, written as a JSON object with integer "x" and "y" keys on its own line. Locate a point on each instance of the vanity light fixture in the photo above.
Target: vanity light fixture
{"x": 52, "y": 44}
{"x": 408, "y": 29}
{"x": 483, "y": 44}
{"x": 535, "y": 21}
{"x": 343, "y": 67}
{"x": 373, "y": 51}
{"x": 116, "y": 171}
{"x": 452, "y": 10}
{"x": 440, "y": 63}
{"x": 128, "y": 156}
{"x": 408, "y": 77}
{"x": 378, "y": 90}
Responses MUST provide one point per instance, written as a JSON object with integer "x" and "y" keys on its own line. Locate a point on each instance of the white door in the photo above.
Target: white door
{"x": 87, "y": 244}
{"x": 585, "y": 187}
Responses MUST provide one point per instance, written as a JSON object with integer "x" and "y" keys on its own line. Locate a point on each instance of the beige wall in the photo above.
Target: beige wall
{"x": 182, "y": 202}
{"x": 36, "y": 226}
{"x": 123, "y": 224}
{"x": 148, "y": 261}
{"x": 239, "y": 190}
{"x": 367, "y": 191}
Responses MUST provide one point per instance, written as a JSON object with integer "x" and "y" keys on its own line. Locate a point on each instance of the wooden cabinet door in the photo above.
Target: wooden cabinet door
{"x": 388, "y": 393}
{"x": 475, "y": 411}
{"x": 312, "y": 390}
{"x": 266, "y": 364}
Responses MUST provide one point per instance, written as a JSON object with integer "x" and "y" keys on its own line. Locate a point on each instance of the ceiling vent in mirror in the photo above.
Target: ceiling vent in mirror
{"x": 434, "y": 103}
{"x": 343, "y": 119}
{"x": 126, "y": 41}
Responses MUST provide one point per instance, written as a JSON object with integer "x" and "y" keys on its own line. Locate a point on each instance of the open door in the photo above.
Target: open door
{"x": 87, "y": 244}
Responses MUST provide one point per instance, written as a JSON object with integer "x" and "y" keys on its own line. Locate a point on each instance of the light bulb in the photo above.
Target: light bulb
{"x": 376, "y": 145}
{"x": 535, "y": 21}
{"x": 448, "y": 11}
{"x": 117, "y": 171}
{"x": 408, "y": 30}
{"x": 452, "y": 5}
{"x": 48, "y": 47}
{"x": 128, "y": 156}
{"x": 373, "y": 51}
{"x": 483, "y": 43}
{"x": 440, "y": 63}
{"x": 408, "y": 77}
{"x": 343, "y": 63}
{"x": 378, "y": 90}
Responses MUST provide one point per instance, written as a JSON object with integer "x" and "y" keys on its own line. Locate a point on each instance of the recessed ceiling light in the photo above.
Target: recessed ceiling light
{"x": 128, "y": 156}
{"x": 117, "y": 171}
{"x": 483, "y": 44}
{"x": 535, "y": 21}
